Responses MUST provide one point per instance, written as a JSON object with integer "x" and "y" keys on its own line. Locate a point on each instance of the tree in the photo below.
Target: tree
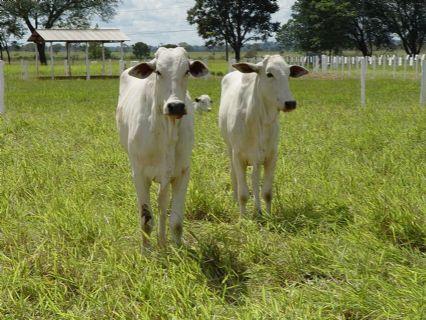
{"x": 141, "y": 50}
{"x": 9, "y": 28}
{"x": 317, "y": 26}
{"x": 366, "y": 31}
{"x": 95, "y": 51}
{"x": 333, "y": 25}
{"x": 235, "y": 22}
{"x": 406, "y": 18}
{"x": 186, "y": 46}
{"x": 58, "y": 13}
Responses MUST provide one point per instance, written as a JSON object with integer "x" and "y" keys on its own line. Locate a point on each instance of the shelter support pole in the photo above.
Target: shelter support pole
{"x": 103, "y": 59}
{"x": 87, "y": 62}
{"x": 68, "y": 48}
{"x": 52, "y": 70}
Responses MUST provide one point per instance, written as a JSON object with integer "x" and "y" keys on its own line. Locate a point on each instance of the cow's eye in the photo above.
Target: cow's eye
{"x": 158, "y": 72}
{"x": 187, "y": 73}
{"x": 269, "y": 75}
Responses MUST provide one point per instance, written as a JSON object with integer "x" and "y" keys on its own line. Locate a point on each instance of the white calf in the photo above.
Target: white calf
{"x": 155, "y": 121}
{"x": 203, "y": 103}
{"x": 248, "y": 118}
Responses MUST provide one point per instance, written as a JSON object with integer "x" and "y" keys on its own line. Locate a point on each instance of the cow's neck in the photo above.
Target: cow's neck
{"x": 258, "y": 110}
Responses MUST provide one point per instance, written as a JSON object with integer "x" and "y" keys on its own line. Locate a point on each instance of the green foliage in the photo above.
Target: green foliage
{"x": 236, "y": 22}
{"x": 406, "y": 18}
{"x": 95, "y": 51}
{"x": 334, "y": 25}
{"x": 345, "y": 240}
{"x": 141, "y": 50}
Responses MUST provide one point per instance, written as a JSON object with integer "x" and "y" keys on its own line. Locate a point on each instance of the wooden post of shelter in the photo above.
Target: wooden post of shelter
{"x": 122, "y": 67}
{"x": 2, "y": 108}
{"x": 68, "y": 48}
{"x": 103, "y": 59}
{"x": 87, "y": 62}
{"x": 52, "y": 70}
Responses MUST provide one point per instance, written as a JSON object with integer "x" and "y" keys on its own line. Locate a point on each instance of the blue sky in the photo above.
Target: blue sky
{"x": 144, "y": 20}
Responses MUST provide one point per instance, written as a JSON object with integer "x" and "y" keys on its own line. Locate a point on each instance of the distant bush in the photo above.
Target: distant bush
{"x": 251, "y": 54}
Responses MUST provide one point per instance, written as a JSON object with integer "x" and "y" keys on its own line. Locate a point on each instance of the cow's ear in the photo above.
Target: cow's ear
{"x": 198, "y": 69}
{"x": 247, "y": 67}
{"x": 143, "y": 70}
{"x": 297, "y": 71}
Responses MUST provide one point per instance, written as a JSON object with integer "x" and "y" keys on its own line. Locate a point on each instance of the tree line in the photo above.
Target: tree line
{"x": 318, "y": 26}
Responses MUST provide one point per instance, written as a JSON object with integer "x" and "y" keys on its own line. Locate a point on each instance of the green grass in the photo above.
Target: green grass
{"x": 346, "y": 239}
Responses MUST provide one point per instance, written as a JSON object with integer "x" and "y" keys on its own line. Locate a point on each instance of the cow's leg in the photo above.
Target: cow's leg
{"x": 255, "y": 182}
{"x": 179, "y": 186}
{"x": 142, "y": 185}
{"x": 163, "y": 202}
{"x": 269, "y": 170}
{"x": 240, "y": 175}
{"x": 233, "y": 177}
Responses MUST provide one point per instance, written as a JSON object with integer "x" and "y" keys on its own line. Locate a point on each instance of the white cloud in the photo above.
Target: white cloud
{"x": 142, "y": 20}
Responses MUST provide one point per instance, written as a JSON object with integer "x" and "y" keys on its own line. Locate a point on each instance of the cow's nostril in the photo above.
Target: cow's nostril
{"x": 176, "y": 108}
{"x": 290, "y": 104}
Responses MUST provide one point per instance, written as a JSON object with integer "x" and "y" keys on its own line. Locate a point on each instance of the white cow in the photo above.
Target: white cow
{"x": 155, "y": 120}
{"x": 203, "y": 103}
{"x": 251, "y": 100}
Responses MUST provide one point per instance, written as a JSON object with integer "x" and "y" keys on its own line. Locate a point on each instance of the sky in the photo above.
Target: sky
{"x": 164, "y": 21}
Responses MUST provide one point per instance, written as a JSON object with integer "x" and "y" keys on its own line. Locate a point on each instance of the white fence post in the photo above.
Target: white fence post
{"x": 109, "y": 67}
{"x": 2, "y": 109}
{"x": 423, "y": 85}
{"x": 363, "y": 77}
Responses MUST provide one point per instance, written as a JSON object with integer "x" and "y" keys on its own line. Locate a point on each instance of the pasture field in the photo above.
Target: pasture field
{"x": 346, "y": 239}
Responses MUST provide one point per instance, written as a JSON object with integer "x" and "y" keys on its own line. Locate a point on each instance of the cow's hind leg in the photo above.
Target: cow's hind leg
{"x": 255, "y": 183}
{"x": 163, "y": 202}
{"x": 179, "y": 186}
{"x": 142, "y": 185}
{"x": 269, "y": 170}
{"x": 240, "y": 174}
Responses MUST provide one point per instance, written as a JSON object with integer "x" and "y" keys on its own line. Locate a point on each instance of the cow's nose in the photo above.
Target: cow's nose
{"x": 176, "y": 108}
{"x": 290, "y": 105}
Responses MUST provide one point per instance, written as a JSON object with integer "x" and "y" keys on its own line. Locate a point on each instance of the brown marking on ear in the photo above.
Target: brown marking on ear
{"x": 198, "y": 68}
{"x": 142, "y": 70}
{"x": 246, "y": 67}
{"x": 297, "y": 71}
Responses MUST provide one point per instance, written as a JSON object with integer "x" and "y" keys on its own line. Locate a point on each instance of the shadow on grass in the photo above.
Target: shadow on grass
{"x": 309, "y": 217}
{"x": 226, "y": 275}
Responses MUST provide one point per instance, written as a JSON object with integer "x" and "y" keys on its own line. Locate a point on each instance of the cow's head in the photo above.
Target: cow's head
{"x": 171, "y": 68}
{"x": 273, "y": 74}
{"x": 204, "y": 103}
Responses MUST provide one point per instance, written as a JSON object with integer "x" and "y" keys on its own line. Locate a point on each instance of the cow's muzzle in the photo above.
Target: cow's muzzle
{"x": 290, "y": 106}
{"x": 176, "y": 109}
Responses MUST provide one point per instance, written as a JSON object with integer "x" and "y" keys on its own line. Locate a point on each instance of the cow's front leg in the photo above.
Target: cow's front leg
{"x": 179, "y": 186}
{"x": 163, "y": 202}
{"x": 268, "y": 179}
{"x": 255, "y": 183}
{"x": 142, "y": 185}
{"x": 242, "y": 188}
